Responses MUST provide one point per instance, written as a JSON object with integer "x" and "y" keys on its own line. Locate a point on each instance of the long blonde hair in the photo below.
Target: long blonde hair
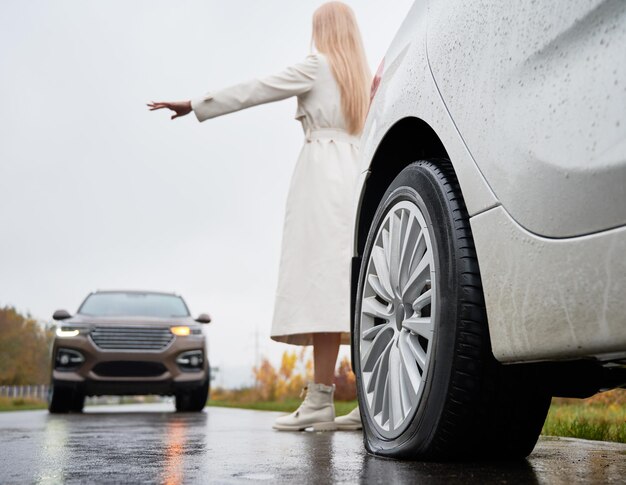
{"x": 336, "y": 35}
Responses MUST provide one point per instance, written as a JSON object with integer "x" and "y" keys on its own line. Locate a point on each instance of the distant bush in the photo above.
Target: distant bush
{"x": 345, "y": 382}
{"x": 615, "y": 396}
{"x": 24, "y": 349}
{"x": 286, "y": 382}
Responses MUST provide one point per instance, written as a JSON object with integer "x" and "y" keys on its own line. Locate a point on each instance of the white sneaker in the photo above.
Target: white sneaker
{"x": 317, "y": 411}
{"x": 349, "y": 422}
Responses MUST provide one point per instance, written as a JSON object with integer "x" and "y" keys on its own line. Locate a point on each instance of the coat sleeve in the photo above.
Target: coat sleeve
{"x": 293, "y": 81}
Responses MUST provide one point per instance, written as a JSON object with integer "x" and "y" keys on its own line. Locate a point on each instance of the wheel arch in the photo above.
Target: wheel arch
{"x": 408, "y": 140}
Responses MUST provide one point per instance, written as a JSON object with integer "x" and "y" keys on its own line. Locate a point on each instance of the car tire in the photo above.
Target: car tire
{"x": 453, "y": 400}
{"x": 61, "y": 400}
{"x": 193, "y": 400}
{"x": 78, "y": 402}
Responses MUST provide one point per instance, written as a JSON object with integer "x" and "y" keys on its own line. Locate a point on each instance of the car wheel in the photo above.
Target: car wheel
{"x": 60, "y": 399}
{"x": 78, "y": 402}
{"x": 427, "y": 383}
{"x": 193, "y": 400}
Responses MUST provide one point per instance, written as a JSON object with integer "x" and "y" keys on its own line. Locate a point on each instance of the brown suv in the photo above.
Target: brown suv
{"x": 129, "y": 342}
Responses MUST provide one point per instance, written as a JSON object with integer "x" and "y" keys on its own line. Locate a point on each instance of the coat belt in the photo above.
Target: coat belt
{"x": 332, "y": 134}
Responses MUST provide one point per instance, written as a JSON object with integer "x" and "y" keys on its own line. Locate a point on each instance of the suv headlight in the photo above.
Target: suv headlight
{"x": 70, "y": 331}
{"x": 180, "y": 331}
{"x": 184, "y": 330}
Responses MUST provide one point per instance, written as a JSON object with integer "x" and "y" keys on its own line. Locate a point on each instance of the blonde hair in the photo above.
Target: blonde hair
{"x": 336, "y": 35}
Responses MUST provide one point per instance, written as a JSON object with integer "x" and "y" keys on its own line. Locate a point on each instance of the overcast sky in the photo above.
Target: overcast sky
{"x": 98, "y": 192}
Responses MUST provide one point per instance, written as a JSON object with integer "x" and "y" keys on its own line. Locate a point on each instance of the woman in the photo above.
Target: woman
{"x": 312, "y": 299}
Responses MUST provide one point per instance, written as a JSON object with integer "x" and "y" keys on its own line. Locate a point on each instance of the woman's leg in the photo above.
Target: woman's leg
{"x": 317, "y": 410}
{"x": 325, "y": 351}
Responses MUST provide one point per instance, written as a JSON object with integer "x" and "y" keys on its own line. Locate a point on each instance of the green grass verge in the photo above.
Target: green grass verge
{"x": 20, "y": 404}
{"x": 587, "y": 421}
{"x": 288, "y": 406}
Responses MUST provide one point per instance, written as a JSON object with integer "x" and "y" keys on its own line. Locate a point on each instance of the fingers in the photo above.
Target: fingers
{"x": 160, "y": 105}
{"x": 173, "y": 106}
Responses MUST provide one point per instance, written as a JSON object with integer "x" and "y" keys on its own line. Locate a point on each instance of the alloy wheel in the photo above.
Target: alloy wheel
{"x": 396, "y": 322}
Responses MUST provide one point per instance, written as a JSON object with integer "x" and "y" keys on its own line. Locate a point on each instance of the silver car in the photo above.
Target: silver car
{"x": 489, "y": 269}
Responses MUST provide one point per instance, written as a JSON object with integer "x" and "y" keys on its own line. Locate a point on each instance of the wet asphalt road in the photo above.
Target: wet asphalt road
{"x": 149, "y": 443}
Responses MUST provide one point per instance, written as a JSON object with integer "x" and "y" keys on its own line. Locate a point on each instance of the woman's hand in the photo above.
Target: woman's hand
{"x": 180, "y": 108}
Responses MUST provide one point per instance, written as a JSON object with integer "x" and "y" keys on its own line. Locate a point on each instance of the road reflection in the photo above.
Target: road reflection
{"x": 54, "y": 453}
{"x": 328, "y": 456}
{"x": 157, "y": 447}
{"x": 377, "y": 470}
{"x": 173, "y": 469}
{"x": 318, "y": 452}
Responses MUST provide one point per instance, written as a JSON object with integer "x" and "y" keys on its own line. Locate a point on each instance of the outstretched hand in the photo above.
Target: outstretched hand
{"x": 180, "y": 108}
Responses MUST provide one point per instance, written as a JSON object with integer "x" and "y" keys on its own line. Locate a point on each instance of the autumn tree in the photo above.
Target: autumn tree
{"x": 296, "y": 369}
{"x": 24, "y": 349}
{"x": 345, "y": 381}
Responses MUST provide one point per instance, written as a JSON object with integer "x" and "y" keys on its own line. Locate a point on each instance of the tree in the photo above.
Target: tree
{"x": 24, "y": 349}
{"x": 296, "y": 369}
{"x": 345, "y": 381}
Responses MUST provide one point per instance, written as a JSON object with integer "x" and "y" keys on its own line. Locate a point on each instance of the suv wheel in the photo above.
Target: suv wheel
{"x": 427, "y": 383}
{"x": 193, "y": 400}
{"x": 78, "y": 402}
{"x": 64, "y": 400}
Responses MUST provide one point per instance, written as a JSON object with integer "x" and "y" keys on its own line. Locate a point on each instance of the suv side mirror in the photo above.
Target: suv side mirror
{"x": 203, "y": 318}
{"x": 61, "y": 315}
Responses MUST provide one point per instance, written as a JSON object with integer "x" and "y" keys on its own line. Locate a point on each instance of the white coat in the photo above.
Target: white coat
{"x": 313, "y": 293}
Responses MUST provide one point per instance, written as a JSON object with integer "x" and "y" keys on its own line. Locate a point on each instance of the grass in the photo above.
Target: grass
{"x": 20, "y": 404}
{"x": 587, "y": 421}
{"x": 287, "y": 406}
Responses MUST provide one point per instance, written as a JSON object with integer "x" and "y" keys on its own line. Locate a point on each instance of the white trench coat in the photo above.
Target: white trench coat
{"x": 313, "y": 293}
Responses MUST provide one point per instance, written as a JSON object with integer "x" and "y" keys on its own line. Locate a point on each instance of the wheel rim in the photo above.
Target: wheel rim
{"x": 396, "y": 322}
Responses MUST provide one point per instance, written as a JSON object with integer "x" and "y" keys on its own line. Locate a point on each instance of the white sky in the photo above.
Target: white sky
{"x": 98, "y": 192}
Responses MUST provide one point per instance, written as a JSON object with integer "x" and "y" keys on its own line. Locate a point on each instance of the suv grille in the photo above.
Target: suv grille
{"x": 131, "y": 338}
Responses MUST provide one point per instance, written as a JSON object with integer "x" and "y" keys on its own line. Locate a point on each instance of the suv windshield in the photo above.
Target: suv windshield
{"x": 133, "y": 305}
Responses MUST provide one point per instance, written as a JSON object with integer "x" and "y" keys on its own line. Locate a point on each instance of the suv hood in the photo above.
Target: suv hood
{"x": 129, "y": 321}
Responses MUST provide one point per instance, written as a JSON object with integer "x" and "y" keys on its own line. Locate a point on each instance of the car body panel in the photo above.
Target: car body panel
{"x": 551, "y": 298}
{"x": 542, "y": 109}
{"x": 398, "y": 98}
{"x": 558, "y": 202}
{"x": 168, "y": 380}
